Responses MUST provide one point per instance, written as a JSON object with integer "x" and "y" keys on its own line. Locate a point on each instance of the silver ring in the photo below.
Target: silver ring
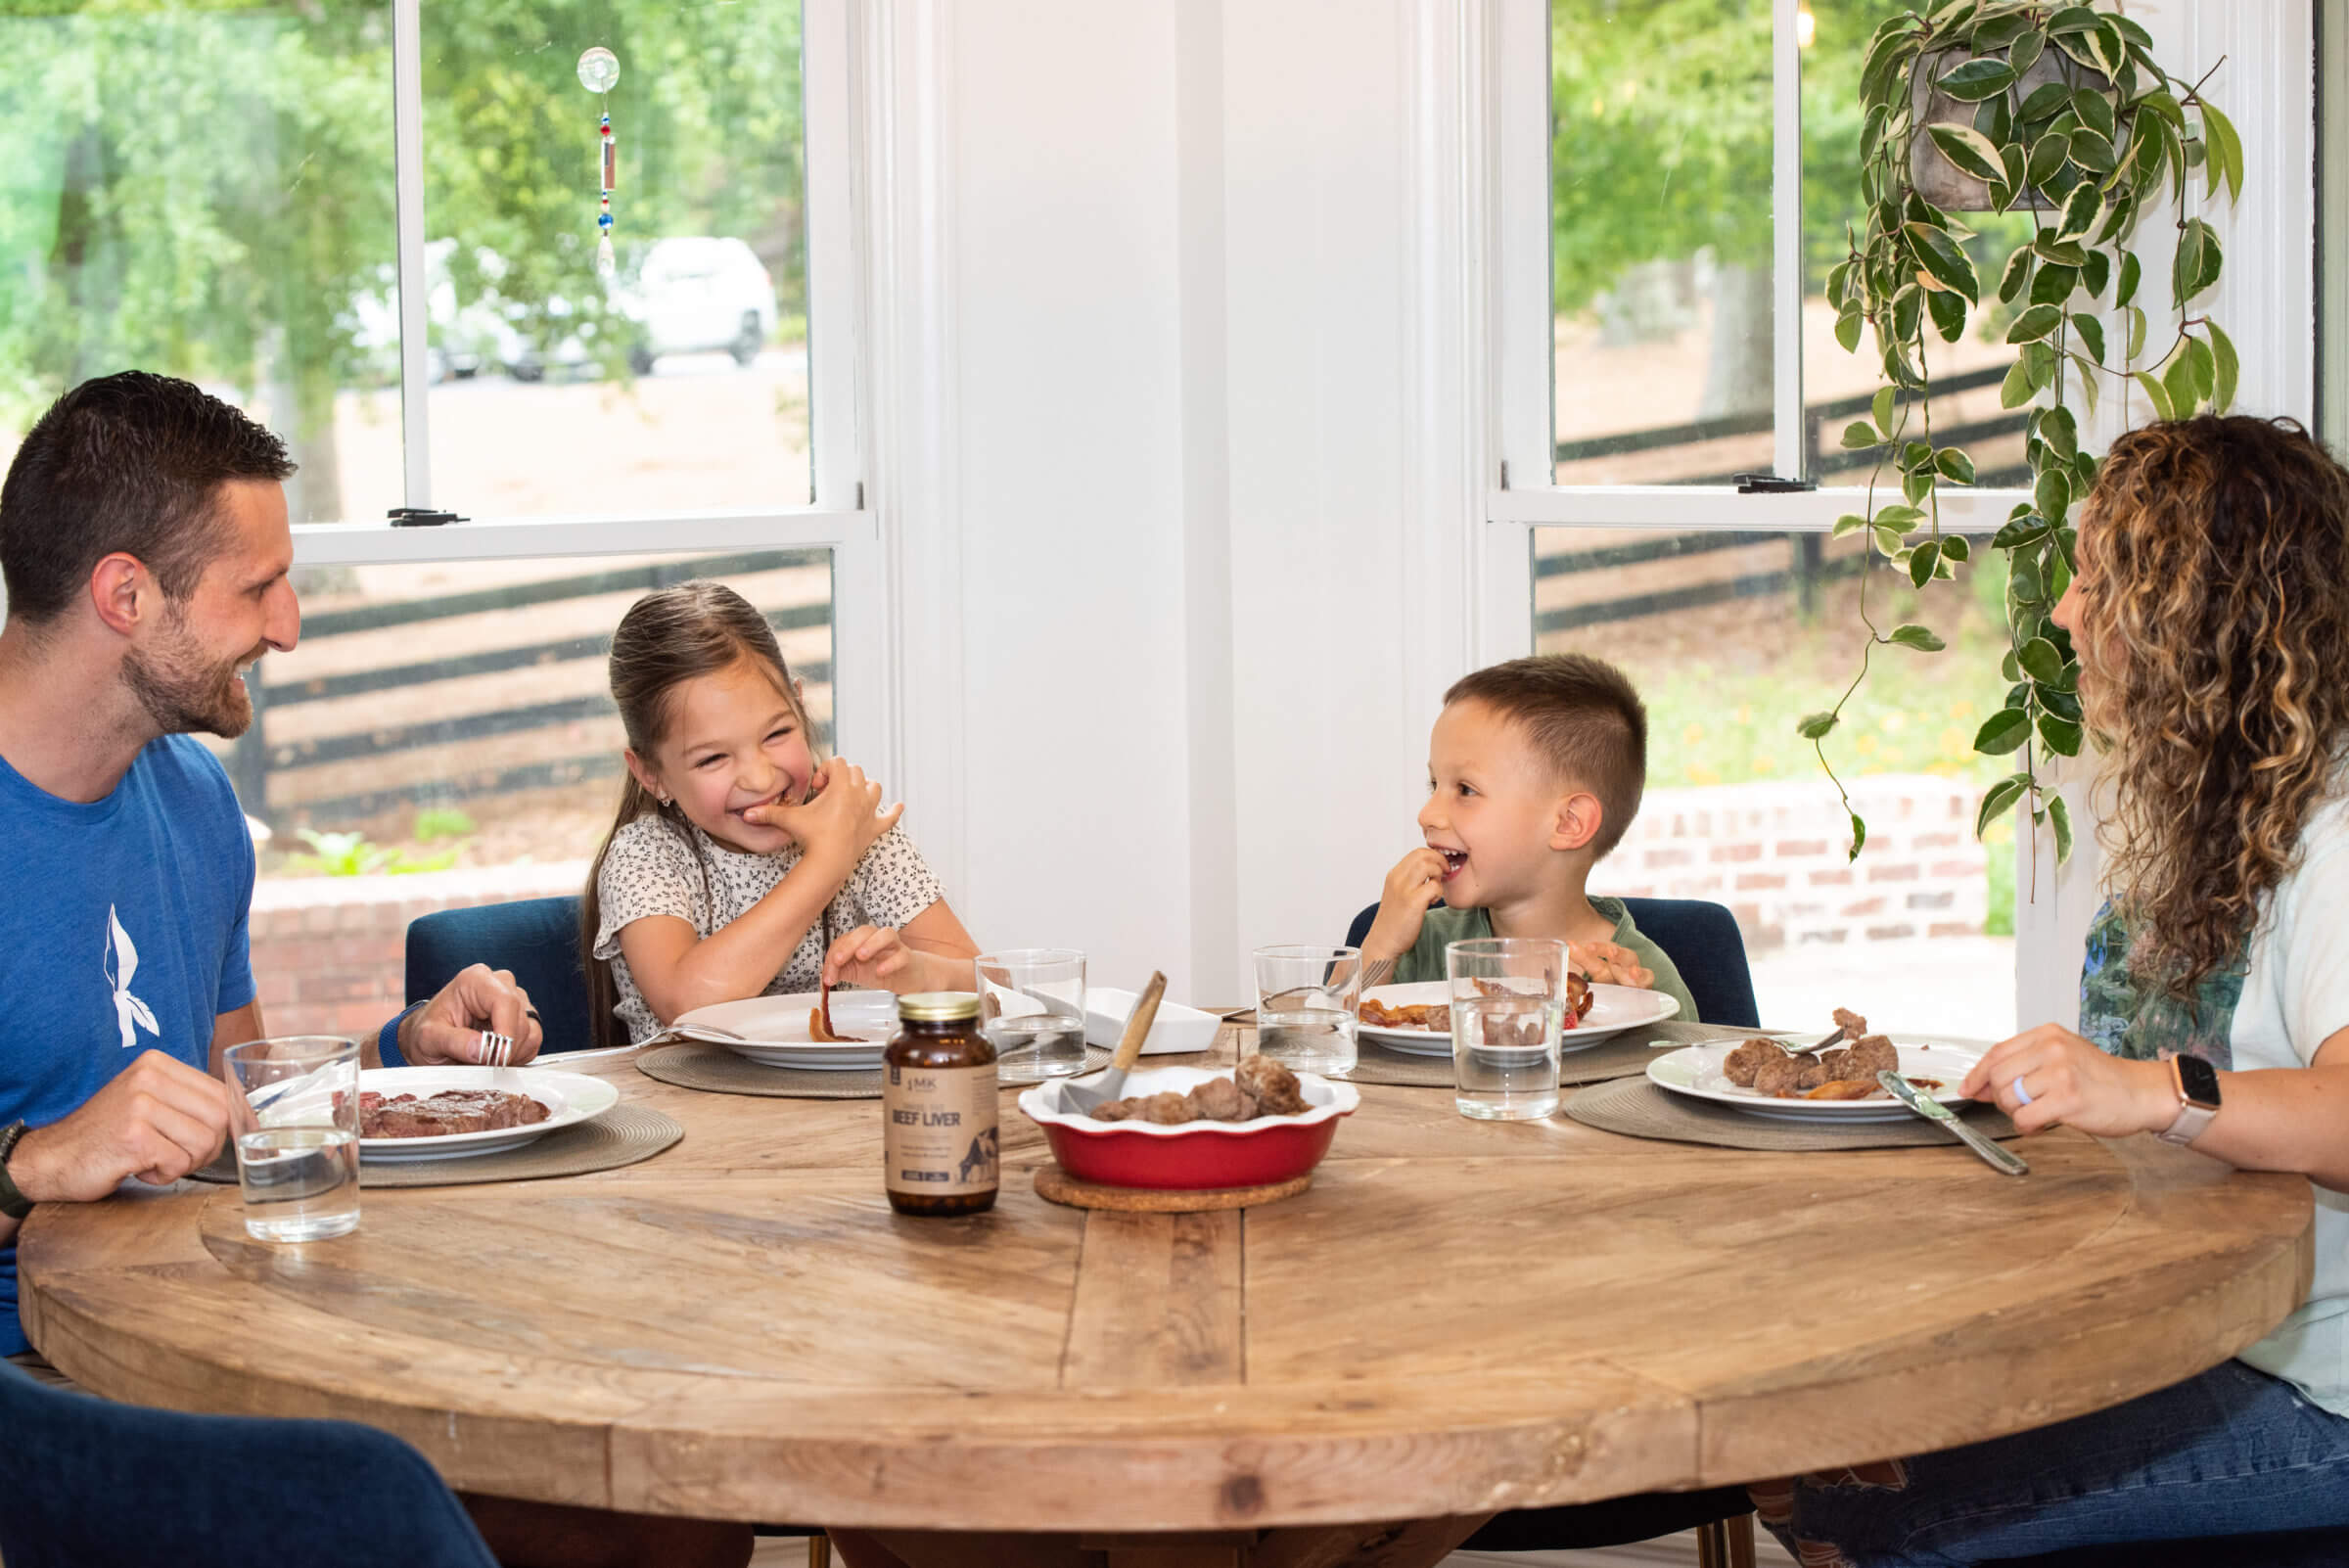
{"x": 2023, "y": 1095}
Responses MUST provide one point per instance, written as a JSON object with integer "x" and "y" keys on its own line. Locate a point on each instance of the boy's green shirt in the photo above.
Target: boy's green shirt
{"x": 1425, "y": 959}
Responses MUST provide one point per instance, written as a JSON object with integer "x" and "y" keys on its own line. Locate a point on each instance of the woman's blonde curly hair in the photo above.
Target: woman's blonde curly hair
{"x": 2215, "y": 585}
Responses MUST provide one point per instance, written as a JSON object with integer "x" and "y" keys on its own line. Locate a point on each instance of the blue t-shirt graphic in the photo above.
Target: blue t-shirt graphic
{"x": 122, "y": 930}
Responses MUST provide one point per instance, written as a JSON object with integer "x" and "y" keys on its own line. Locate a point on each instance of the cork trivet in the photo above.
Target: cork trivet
{"x": 1636, "y": 1108}
{"x": 1620, "y": 1056}
{"x": 1055, "y": 1186}
{"x": 621, "y": 1136}
{"x": 716, "y": 1070}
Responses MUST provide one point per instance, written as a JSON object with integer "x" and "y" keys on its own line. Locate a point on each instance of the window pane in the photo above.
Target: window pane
{"x": 681, "y": 384}
{"x": 1660, "y": 219}
{"x": 1731, "y": 638}
{"x": 444, "y": 735}
{"x": 1837, "y": 385}
{"x": 206, "y": 192}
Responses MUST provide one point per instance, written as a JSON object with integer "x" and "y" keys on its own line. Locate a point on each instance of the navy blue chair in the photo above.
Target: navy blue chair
{"x": 92, "y": 1484}
{"x": 1702, "y": 941}
{"x": 539, "y": 939}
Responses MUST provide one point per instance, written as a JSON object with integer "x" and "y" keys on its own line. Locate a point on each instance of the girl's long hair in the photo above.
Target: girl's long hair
{"x": 2217, "y": 585}
{"x": 667, "y": 638}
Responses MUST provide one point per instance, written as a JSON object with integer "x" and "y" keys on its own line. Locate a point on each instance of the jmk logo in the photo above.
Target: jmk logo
{"x": 122, "y": 964}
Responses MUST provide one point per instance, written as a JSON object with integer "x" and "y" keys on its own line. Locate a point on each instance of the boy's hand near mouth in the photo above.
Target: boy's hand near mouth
{"x": 1412, "y": 888}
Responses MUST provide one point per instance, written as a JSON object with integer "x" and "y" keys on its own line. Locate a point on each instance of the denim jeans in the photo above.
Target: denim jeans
{"x": 2231, "y": 1452}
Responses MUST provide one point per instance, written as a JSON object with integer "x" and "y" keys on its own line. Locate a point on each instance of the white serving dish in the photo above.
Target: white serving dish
{"x": 1176, "y": 1031}
{"x": 568, "y": 1098}
{"x": 1696, "y": 1072}
{"x": 1612, "y": 1009}
{"x": 772, "y": 1030}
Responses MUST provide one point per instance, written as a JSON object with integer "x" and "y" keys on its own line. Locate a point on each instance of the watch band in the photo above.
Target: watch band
{"x": 13, "y": 1202}
{"x": 2194, "y": 1116}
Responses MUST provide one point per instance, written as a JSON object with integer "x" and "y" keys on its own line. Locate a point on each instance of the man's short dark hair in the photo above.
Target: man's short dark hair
{"x": 130, "y": 463}
{"x": 1585, "y": 718}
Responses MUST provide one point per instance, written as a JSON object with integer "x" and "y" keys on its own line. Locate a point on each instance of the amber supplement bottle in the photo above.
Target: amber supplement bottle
{"x": 938, "y": 1107}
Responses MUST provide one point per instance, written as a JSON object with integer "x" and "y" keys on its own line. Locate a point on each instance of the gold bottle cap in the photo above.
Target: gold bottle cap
{"x": 937, "y": 1006}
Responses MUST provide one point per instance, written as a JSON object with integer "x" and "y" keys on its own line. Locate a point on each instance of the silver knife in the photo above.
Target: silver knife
{"x": 2002, "y": 1159}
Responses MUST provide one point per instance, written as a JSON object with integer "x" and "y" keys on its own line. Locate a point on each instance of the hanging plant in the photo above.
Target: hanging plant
{"x": 2021, "y": 106}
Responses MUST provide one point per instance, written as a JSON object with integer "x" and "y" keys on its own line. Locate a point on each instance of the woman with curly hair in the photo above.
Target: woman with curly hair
{"x": 2210, "y": 611}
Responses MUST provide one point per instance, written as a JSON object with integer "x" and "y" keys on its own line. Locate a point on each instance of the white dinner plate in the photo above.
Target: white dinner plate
{"x": 1936, "y": 1067}
{"x": 1612, "y": 1009}
{"x": 568, "y": 1098}
{"x": 774, "y": 1029}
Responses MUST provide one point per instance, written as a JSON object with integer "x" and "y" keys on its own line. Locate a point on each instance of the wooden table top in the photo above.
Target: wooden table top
{"x": 1458, "y": 1317}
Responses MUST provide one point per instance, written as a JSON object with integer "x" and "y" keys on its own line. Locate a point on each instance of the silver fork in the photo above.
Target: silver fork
{"x": 497, "y": 1050}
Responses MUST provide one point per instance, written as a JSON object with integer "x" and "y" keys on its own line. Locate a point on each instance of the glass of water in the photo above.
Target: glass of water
{"x": 1032, "y": 1005}
{"x": 297, "y": 1121}
{"x": 1507, "y": 993}
{"x": 1308, "y": 1003}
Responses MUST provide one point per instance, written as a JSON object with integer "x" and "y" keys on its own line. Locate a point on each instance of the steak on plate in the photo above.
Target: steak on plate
{"x": 405, "y": 1116}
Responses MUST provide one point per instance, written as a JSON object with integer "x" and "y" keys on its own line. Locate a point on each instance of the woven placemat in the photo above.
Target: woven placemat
{"x": 621, "y": 1136}
{"x": 1636, "y": 1108}
{"x": 716, "y": 1070}
{"x": 1621, "y": 1056}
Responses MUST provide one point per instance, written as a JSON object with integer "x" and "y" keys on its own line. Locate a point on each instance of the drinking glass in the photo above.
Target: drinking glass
{"x": 1307, "y": 1005}
{"x": 1507, "y": 993}
{"x": 1032, "y": 1006}
{"x": 296, "y": 1114}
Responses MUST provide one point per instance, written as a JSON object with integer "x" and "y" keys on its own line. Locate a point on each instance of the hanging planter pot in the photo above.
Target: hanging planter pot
{"x": 1959, "y": 86}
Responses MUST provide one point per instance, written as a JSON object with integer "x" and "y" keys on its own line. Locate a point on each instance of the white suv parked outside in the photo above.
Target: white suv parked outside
{"x": 694, "y": 294}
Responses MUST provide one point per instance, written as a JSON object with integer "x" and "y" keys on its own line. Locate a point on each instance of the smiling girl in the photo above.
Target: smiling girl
{"x": 740, "y": 863}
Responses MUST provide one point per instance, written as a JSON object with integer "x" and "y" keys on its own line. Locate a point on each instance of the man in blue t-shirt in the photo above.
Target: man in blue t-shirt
{"x": 143, "y": 543}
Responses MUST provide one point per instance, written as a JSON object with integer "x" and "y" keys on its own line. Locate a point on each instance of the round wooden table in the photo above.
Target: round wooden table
{"x": 1458, "y": 1317}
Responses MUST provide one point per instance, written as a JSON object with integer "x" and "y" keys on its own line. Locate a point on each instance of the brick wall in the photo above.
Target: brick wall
{"x": 1775, "y": 854}
{"x": 330, "y": 954}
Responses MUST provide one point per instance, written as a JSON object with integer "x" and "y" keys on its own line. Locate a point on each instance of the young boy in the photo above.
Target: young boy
{"x": 1534, "y": 769}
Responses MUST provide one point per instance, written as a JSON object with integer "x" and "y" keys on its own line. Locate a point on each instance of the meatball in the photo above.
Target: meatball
{"x": 1112, "y": 1111}
{"x": 1869, "y": 1056}
{"x": 1852, "y": 1025}
{"x": 1167, "y": 1110}
{"x": 1833, "y": 1061}
{"x": 1814, "y": 1074}
{"x": 1741, "y": 1064}
{"x": 1779, "y": 1078}
{"x": 1219, "y": 1099}
{"x": 1275, "y": 1089}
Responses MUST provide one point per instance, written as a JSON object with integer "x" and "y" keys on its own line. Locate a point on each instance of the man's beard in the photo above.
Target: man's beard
{"x": 185, "y": 694}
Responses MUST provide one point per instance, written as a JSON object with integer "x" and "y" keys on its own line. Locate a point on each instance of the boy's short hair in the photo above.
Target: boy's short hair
{"x": 1583, "y": 717}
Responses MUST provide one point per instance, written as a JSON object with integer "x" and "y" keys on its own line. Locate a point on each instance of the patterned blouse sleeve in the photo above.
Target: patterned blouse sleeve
{"x": 648, "y": 871}
{"x": 893, "y": 883}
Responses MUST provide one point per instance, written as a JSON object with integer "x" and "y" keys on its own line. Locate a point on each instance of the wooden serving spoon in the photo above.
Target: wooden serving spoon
{"x": 1086, "y": 1098}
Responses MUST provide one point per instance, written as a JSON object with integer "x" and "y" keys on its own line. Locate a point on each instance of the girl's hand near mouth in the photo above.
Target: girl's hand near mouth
{"x": 841, "y": 820}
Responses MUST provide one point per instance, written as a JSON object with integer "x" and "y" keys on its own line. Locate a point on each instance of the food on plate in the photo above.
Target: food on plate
{"x": 1846, "y": 1073}
{"x": 1257, "y": 1086}
{"x": 1433, "y": 1015}
{"x": 405, "y": 1116}
{"x": 820, "y": 1024}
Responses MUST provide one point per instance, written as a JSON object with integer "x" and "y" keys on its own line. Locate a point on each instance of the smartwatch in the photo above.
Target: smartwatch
{"x": 2198, "y": 1084}
{"x": 13, "y": 1203}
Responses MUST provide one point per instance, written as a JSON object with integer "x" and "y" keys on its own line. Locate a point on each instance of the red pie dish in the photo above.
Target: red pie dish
{"x": 1194, "y": 1156}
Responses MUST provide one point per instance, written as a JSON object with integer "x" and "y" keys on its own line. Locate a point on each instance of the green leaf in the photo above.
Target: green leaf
{"x": 1847, "y": 329}
{"x": 2063, "y": 252}
{"x": 2197, "y": 264}
{"x": 2059, "y": 817}
{"x": 2018, "y": 273}
{"x": 1966, "y": 149}
{"x": 1977, "y": 79}
{"x": 2008, "y": 669}
{"x": 2045, "y": 102}
{"x": 1907, "y": 307}
{"x": 2092, "y": 153}
{"x": 2136, "y": 331}
{"x": 2228, "y": 368}
{"x": 2040, "y": 661}
{"x": 2072, "y": 20}
{"x": 1898, "y": 515}
{"x": 2156, "y": 394}
{"x": 2028, "y": 528}
{"x": 2003, "y": 731}
{"x": 2095, "y": 110}
{"x": 2096, "y": 273}
{"x": 1996, "y": 33}
{"x": 1939, "y": 255}
{"x": 1917, "y": 486}
{"x": 1849, "y": 523}
{"x": 2206, "y": 367}
{"x": 2082, "y": 212}
{"x": 2048, "y": 154}
{"x": 1859, "y": 838}
{"x": 2062, "y": 735}
{"x": 1888, "y": 541}
{"x": 2015, "y": 391}
{"x": 2180, "y": 381}
{"x": 1858, "y": 435}
{"x": 1881, "y": 406}
{"x": 1922, "y": 563}
{"x": 1954, "y": 465}
{"x": 2227, "y": 152}
{"x": 2061, "y": 431}
{"x": 1921, "y": 638}
{"x": 1948, "y": 314}
{"x": 2131, "y": 272}
{"x": 2024, "y": 53}
{"x": 2087, "y": 382}
{"x": 2035, "y": 323}
{"x": 2090, "y": 332}
{"x": 1915, "y": 455}
{"x": 1954, "y": 546}
{"x": 2000, "y": 797}
{"x": 1815, "y": 726}
{"x": 2053, "y": 285}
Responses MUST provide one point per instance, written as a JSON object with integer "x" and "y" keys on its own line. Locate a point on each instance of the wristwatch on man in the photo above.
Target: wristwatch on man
{"x": 2197, "y": 1084}
{"x": 13, "y": 1203}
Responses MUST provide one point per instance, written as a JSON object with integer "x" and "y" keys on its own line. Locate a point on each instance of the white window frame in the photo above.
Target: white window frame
{"x": 837, "y": 518}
